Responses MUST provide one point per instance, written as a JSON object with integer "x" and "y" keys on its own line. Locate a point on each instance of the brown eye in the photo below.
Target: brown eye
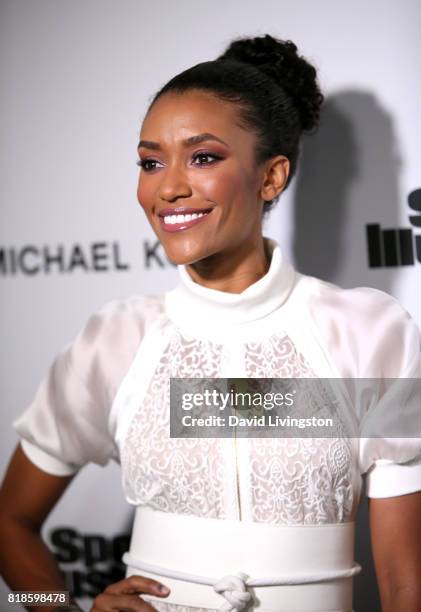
{"x": 203, "y": 154}
{"x": 143, "y": 164}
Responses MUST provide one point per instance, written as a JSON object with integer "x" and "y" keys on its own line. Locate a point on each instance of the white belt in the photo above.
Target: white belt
{"x": 260, "y": 566}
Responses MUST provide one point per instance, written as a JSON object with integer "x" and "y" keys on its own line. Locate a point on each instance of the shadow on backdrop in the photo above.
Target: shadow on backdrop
{"x": 349, "y": 176}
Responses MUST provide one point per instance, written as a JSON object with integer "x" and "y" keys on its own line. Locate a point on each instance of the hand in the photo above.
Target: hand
{"x": 123, "y": 595}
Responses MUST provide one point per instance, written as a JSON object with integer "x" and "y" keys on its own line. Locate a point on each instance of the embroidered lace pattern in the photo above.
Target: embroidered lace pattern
{"x": 291, "y": 480}
{"x": 175, "y": 474}
{"x": 295, "y": 480}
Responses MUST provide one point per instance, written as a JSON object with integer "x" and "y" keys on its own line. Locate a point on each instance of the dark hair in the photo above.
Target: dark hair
{"x": 276, "y": 91}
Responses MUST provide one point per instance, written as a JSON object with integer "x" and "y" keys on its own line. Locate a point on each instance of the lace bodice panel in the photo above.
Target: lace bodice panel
{"x": 274, "y": 480}
{"x": 174, "y": 475}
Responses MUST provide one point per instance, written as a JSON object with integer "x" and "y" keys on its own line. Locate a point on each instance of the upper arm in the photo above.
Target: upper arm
{"x": 28, "y": 493}
{"x": 68, "y": 422}
{"x": 395, "y": 524}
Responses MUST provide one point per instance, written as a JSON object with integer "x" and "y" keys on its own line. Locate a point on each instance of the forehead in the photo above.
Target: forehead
{"x": 179, "y": 115}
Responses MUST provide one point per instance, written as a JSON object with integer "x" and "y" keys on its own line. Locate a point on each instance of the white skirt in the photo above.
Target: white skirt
{"x": 229, "y": 565}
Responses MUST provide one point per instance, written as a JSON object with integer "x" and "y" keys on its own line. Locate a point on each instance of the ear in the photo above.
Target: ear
{"x": 275, "y": 177}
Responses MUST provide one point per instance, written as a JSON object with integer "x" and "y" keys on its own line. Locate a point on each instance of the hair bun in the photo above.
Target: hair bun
{"x": 280, "y": 61}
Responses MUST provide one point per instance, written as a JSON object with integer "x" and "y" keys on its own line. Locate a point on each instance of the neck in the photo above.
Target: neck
{"x": 231, "y": 271}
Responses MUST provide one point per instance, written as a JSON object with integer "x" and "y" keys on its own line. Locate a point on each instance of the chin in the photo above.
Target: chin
{"x": 178, "y": 257}
{"x": 179, "y": 260}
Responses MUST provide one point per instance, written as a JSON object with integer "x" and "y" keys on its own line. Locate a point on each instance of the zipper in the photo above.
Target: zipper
{"x": 237, "y": 468}
{"x": 237, "y": 475}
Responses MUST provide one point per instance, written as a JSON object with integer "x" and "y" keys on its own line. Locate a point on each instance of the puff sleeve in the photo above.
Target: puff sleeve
{"x": 67, "y": 423}
{"x": 390, "y": 404}
{"x": 374, "y": 345}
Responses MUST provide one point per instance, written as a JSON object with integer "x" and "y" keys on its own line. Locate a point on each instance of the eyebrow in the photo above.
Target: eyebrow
{"x": 149, "y": 144}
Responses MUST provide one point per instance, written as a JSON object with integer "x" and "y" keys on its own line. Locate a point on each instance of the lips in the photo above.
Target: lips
{"x": 182, "y": 210}
{"x": 184, "y": 225}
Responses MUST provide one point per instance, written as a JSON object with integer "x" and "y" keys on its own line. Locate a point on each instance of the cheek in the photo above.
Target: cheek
{"x": 223, "y": 186}
{"x": 144, "y": 194}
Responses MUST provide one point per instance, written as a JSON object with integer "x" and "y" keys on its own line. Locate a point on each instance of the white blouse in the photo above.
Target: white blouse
{"x": 106, "y": 396}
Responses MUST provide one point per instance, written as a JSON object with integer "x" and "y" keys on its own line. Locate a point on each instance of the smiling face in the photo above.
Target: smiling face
{"x": 193, "y": 155}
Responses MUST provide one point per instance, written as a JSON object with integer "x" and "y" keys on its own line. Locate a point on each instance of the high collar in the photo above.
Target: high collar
{"x": 200, "y": 308}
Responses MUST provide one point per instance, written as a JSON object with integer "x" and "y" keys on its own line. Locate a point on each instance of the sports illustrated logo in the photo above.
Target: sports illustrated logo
{"x": 31, "y": 260}
{"x": 396, "y": 246}
{"x": 89, "y": 562}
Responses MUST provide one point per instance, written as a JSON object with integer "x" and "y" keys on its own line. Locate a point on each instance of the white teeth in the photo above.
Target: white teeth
{"x": 172, "y": 219}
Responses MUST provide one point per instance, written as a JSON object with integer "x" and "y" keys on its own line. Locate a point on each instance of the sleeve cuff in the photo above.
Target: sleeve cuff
{"x": 46, "y": 462}
{"x": 389, "y": 479}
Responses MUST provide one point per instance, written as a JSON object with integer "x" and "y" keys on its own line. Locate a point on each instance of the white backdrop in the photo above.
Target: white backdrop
{"x": 75, "y": 79}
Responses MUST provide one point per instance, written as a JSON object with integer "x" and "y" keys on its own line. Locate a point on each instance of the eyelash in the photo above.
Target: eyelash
{"x": 142, "y": 162}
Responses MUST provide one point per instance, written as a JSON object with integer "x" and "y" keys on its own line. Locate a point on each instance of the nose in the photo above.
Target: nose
{"x": 174, "y": 184}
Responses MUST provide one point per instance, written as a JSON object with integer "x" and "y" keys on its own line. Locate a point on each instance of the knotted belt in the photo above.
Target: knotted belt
{"x": 305, "y": 567}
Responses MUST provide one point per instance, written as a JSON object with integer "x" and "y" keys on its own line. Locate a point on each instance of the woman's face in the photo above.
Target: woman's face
{"x": 213, "y": 174}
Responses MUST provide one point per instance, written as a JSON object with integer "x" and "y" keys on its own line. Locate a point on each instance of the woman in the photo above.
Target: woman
{"x": 226, "y": 524}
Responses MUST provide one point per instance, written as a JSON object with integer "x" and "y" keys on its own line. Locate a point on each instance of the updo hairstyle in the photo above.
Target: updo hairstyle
{"x": 275, "y": 89}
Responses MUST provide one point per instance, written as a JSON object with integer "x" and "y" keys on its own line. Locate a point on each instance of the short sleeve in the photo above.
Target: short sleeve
{"x": 390, "y": 427}
{"x": 67, "y": 423}
{"x": 372, "y": 343}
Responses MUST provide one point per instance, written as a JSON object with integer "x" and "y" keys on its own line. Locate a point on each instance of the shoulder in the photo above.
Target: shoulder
{"x": 367, "y": 323}
{"x": 134, "y": 310}
{"x": 363, "y": 305}
{"x": 112, "y": 333}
